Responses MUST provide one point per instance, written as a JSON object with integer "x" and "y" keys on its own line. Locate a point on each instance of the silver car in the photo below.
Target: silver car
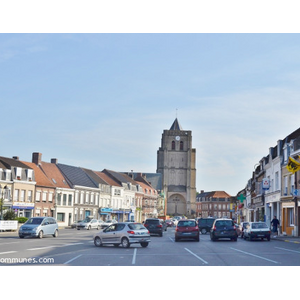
{"x": 38, "y": 227}
{"x": 88, "y": 224}
{"x": 124, "y": 234}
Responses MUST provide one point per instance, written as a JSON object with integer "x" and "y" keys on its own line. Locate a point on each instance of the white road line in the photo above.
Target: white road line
{"x": 171, "y": 239}
{"x": 33, "y": 249}
{"x": 134, "y": 256}
{"x": 287, "y": 249}
{"x": 8, "y": 252}
{"x": 260, "y": 257}
{"x": 67, "y": 262}
{"x": 196, "y": 255}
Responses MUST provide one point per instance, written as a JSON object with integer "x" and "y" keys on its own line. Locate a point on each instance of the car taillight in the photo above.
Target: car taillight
{"x": 159, "y": 226}
{"x": 146, "y": 225}
{"x": 131, "y": 232}
{"x": 214, "y": 228}
{"x": 234, "y": 227}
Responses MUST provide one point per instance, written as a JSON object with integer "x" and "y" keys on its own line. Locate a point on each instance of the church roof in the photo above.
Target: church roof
{"x": 176, "y": 125}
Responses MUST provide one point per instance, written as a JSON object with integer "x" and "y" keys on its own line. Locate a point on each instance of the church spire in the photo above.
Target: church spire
{"x": 176, "y": 125}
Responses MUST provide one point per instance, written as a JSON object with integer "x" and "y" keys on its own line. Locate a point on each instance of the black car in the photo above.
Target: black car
{"x": 205, "y": 224}
{"x": 223, "y": 228}
{"x": 154, "y": 225}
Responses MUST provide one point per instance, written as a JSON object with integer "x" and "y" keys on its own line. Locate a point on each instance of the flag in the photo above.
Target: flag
{"x": 293, "y": 165}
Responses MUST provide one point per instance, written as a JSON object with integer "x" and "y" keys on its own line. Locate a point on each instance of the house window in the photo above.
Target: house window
{"x": 29, "y": 196}
{"x": 22, "y": 195}
{"x": 44, "y": 196}
{"x": 70, "y": 200}
{"x": 60, "y": 217}
{"x": 64, "y": 199}
{"x": 38, "y": 196}
{"x": 290, "y": 215}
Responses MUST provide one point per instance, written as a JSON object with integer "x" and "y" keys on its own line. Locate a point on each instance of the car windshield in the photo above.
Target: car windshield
{"x": 35, "y": 221}
{"x": 259, "y": 225}
{"x": 136, "y": 226}
{"x": 186, "y": 224}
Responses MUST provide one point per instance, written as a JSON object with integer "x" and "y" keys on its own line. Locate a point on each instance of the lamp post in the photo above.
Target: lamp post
{"x": 3, "y": 192}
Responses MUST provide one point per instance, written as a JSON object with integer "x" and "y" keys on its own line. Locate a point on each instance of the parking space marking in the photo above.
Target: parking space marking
{"x": 72, "y": 259}
{"x": 196, "y": 255}
{"x": 287, "y": 249}
{"x": 134, "y": 256}
{"x": 257, "y": 256}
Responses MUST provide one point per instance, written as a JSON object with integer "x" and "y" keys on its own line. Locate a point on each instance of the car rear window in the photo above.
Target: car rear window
{"x": 136, "y": 226}
{"x": 259, "y": 225}
{"x": 152, "y": 221}
{"x": 224, "y": 223}
{"x": 186, "y": 224}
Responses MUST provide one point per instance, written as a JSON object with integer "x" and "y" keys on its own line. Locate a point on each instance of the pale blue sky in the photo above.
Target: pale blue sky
{"x": 103, "y": 100}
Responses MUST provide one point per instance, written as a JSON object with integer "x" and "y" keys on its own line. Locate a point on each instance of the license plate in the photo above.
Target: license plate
{"x": 260, "y": 235}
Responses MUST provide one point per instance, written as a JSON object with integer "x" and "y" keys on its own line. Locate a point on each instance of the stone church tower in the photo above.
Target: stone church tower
{"x": 176, "y": 161}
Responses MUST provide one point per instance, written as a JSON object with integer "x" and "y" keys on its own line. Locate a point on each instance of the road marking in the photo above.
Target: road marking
{"x": 273, "y": 261}
{"x": 8, "y": 252}
{"x": 171, "y": 239}
{"x": 134, "y": 256}
{"x": 32, "y": 249}
{"x": 287, "y": 250}
{"x": 67, "y": 262}
{"x": 196, "y": 255}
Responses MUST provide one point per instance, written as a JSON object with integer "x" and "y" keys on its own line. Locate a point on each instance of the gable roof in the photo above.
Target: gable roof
{"x": 53, "y": 173}
{"x": 76, "y": 176}
{"x": 108, "y": 180}
{"x": 12, "y": 162}
{"x": 40, "y": 178}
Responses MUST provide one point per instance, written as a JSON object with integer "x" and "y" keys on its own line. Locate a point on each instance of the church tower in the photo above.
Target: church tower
{"x": 176, "y": 161}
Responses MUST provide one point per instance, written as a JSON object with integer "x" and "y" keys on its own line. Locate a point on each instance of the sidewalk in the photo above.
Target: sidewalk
{"x": 286, "y": 238}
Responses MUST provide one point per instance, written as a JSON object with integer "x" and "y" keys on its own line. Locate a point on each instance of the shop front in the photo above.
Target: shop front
{"x": 23, "y": 209}
{"x": 121, "y": 215}
{"x": 259, "y": 209}
{"x": 105, "y": 213}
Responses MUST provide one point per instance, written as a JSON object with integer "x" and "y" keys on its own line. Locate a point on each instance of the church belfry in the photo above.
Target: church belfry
{"x": 176, "y": 161}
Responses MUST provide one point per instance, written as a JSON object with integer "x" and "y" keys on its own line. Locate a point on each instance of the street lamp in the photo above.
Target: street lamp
{"x": 3, "y": 192}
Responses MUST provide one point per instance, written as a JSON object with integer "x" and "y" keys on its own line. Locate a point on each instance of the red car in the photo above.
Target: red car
{"x": 169, "y": 223}
{"x": 187, "y": 229}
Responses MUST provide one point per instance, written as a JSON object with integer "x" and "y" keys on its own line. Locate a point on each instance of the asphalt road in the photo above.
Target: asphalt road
{"x": 76, "y": 248}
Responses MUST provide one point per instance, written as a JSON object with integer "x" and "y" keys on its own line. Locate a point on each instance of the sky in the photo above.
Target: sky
{"x": 103, "y": 100}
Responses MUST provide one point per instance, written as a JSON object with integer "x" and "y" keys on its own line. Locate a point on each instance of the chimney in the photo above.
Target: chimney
{"x": 16, "y": 157}
{"x": 279, "y": 145}
{"x": 54, "y": 161}
{"x": 37, "y": 158}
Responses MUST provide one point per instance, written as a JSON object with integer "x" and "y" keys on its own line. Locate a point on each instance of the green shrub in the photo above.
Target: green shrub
{"x": 9, "y": 215}
{"x": 21, "y": 219}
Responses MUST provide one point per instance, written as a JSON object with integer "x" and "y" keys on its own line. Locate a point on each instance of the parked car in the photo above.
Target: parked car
{"x": 88, "y": 224}
{"x": 124, "y": 234}
{"x": 187, "y": 229}
{"x": 164, "y": 225}
{"x": 205, "y": 224}
{"x": 223, "y": 228}
{"x": 155, "y": 226}
{"x": 108, "y": 223}
{"x": 39, "y": 227}
{"x": 74, "y": 225}
{"x": 257, "y": 230}
{"x": 242, "y": 228}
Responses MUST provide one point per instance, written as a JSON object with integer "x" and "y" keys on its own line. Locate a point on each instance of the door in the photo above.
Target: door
{"x": 109, "y": 234}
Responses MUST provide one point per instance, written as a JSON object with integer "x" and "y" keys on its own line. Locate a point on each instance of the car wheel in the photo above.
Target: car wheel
{"x": 203, "y": 231}
{"x": 161, "y": 234}
{"x": 40, "y": 235}
{"x": 98, "y": 242}
{"x": 125, "y": 243}
{"x": 144, "y": 244}
{"x": 55, "y": 233}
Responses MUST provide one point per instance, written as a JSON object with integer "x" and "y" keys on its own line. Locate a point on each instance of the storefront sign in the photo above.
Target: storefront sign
{"x": 23, "y": 205}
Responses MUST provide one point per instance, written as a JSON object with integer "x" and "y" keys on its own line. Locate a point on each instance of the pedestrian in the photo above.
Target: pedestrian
{"x": 275, "y": 224}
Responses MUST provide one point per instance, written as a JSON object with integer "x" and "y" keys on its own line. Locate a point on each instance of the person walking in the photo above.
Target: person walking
{"x": 275, "y": 224}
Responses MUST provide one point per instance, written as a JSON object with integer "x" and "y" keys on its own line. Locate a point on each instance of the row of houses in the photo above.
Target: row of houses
{"x": 71, "y": 193}
{"x": 273, "y": 190}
